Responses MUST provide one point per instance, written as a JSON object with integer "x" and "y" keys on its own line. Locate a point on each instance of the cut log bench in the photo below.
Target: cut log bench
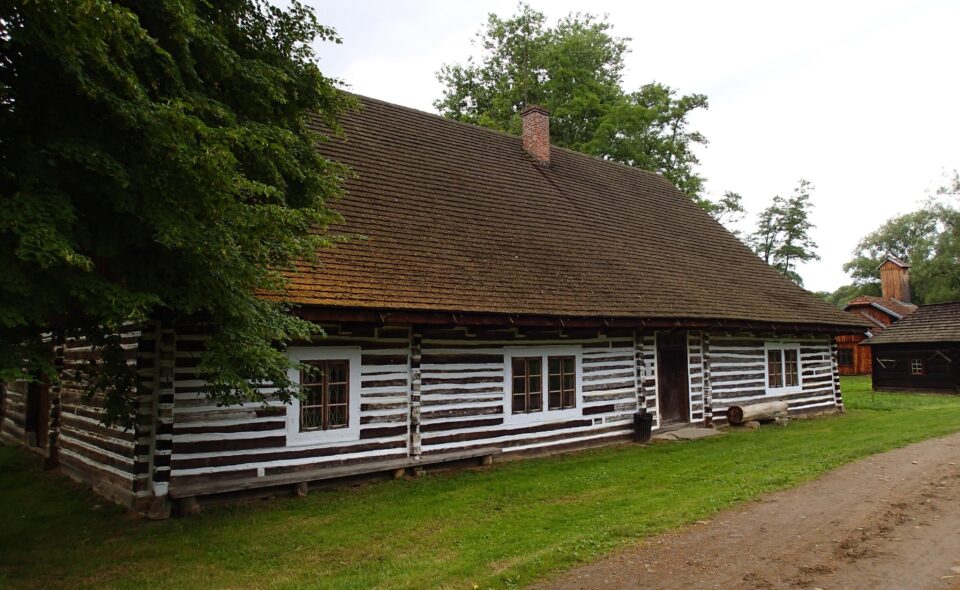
{"x": 762, "y": 412}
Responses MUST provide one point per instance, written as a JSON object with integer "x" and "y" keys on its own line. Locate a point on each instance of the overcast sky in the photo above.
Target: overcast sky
{"x": 860, "y": 98}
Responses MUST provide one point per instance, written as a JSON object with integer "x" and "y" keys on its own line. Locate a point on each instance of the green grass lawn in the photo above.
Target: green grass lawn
{"x": 501, "y": 527}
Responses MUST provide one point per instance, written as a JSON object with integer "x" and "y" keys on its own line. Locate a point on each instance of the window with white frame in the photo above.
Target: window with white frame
{"x": 542, "y": 383}
{"x": 782, "y": 367}
{"x": 328, "y": 408}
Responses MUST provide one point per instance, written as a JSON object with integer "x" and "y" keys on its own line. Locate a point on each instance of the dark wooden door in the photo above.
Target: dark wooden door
{"x": 672, "y": 381}
{"x": 37, "y": 413}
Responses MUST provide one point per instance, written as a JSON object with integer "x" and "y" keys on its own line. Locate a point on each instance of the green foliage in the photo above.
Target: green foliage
{"x": 575, "y": 70}
{"x": 499, "y": 528}
{"x": 782, "y": 238}
{"x": 155, "y": 163}
{"x": 928, "y": 239}
{"x": 847, "y": 293}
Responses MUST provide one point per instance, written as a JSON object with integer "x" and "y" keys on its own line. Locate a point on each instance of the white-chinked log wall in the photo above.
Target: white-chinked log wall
{"x": 212, "y": 443}
{"x": 424, "y": 392}
{"x": 737, "y": 373}
{"x": 461, "y": 404}
{"x": 100, "y": 455}
{"x": 465, "y": 406}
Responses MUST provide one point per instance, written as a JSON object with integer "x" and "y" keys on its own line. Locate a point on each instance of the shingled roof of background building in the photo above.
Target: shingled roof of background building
{"x": 888, "y": 304}
{"x": 939, "y": 322}
{"x": 458, "y": 218}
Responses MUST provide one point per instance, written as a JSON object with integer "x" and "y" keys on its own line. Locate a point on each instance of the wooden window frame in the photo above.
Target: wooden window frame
{"x": 849, "y": 353}
{"x": 914, "y": 363}
{"x": 322, "y": 368}
{"x": 784, "y": 350}
{"x": 296, "y": 436}
{"x": 544, "y": 353}
{"x": 529, "y": 378}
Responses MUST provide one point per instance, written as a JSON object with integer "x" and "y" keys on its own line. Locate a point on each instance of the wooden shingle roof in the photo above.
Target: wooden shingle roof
{"x": 893, "y": 307}
{"x": 458, "y": 218}
{"x": 929, "y": 323}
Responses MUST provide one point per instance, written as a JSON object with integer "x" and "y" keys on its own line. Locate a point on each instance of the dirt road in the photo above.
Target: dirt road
{"x": 891, "y": 521}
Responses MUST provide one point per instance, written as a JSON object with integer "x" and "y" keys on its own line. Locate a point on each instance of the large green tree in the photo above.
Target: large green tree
{"x": 928, "y": 239}
{"x": 155, "y": 163}
{"x": 782, "y": 238}
{"x": 575, "y": 70}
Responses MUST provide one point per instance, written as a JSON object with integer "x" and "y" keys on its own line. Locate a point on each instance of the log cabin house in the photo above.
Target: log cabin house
{"x": 503, "y": 297}
{"x": 853, "y": 356}
{"x": 920, "y": 352}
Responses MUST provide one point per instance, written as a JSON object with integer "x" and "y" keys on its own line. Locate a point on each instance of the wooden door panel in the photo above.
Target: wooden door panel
{"x": 672, "y": 384}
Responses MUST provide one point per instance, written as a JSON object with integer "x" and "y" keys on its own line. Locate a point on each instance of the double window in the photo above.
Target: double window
{"x": 328, "y": 407}
{"x": 542, "y": 384}
{"x": 783, "y": 367}
{"x": 326, "y": 395}
{"x": 527, "y": 394}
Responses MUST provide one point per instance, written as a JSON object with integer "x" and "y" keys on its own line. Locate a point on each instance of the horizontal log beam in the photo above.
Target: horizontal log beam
{"x": 381, "y": 317}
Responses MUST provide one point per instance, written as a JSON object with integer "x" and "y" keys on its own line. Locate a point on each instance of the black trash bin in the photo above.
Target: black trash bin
{"x": 642, "y": 425}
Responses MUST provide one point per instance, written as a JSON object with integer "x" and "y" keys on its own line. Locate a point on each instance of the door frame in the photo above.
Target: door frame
{"x": 687, "y": 416}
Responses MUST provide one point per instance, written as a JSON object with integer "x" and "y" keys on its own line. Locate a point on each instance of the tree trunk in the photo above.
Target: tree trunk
{"x": 760, "y": 412}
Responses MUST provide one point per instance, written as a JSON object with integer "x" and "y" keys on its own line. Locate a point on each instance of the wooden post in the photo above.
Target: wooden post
{"x": 707, "y": 392}
{"x": 638, "y": 368}
{"x": 301, "y": 489}
{"x": 486, "y": 460}
{"x": 415, "y": 353}
{"x": 836, "y": 374}
{"x": 165, "y": 359}
{"x": 54, "y": 392}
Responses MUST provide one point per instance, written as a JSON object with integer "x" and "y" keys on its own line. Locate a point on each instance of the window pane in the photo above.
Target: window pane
{"x": 791, "y": 372}
{"x": 338, "y": 393}
{"x": 554, "y": 382}
{"x": 775, "y": 368}
{"x": 556, "y": 399}
{"x": 568, "y": 363}
{"x": 533, "y": 365}
{"x": 554, "y": 387}
{"x": 535, "y": 384}
{"x": 554, "y": 364}
{"x": 311, "y": 418}
{"x": 338, "y": 416}
{"x": 519, "y": 403}
{"x": 337, "y": 372}
{"x": 312, "y": 396}
{"x": 536, "y": 402}
{"x": 569, "y": 398}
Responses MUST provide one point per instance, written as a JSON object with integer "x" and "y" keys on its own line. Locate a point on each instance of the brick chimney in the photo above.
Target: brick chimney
{"x": 895, "y": 279}
{"x": 536, "y": 133}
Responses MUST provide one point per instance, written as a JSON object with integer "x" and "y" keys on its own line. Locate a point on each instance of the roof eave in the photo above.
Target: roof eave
{"x": 429, "y": 317}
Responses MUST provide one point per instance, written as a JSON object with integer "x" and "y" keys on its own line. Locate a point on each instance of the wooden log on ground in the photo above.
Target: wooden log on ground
{"x": 762, "y": 412}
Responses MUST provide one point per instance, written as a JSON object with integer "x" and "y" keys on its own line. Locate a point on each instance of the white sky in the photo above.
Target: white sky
{"x": 860, "y": 98}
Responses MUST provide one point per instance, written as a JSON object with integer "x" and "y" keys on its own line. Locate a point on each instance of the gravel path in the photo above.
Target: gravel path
{"x": 891, "y": 521}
